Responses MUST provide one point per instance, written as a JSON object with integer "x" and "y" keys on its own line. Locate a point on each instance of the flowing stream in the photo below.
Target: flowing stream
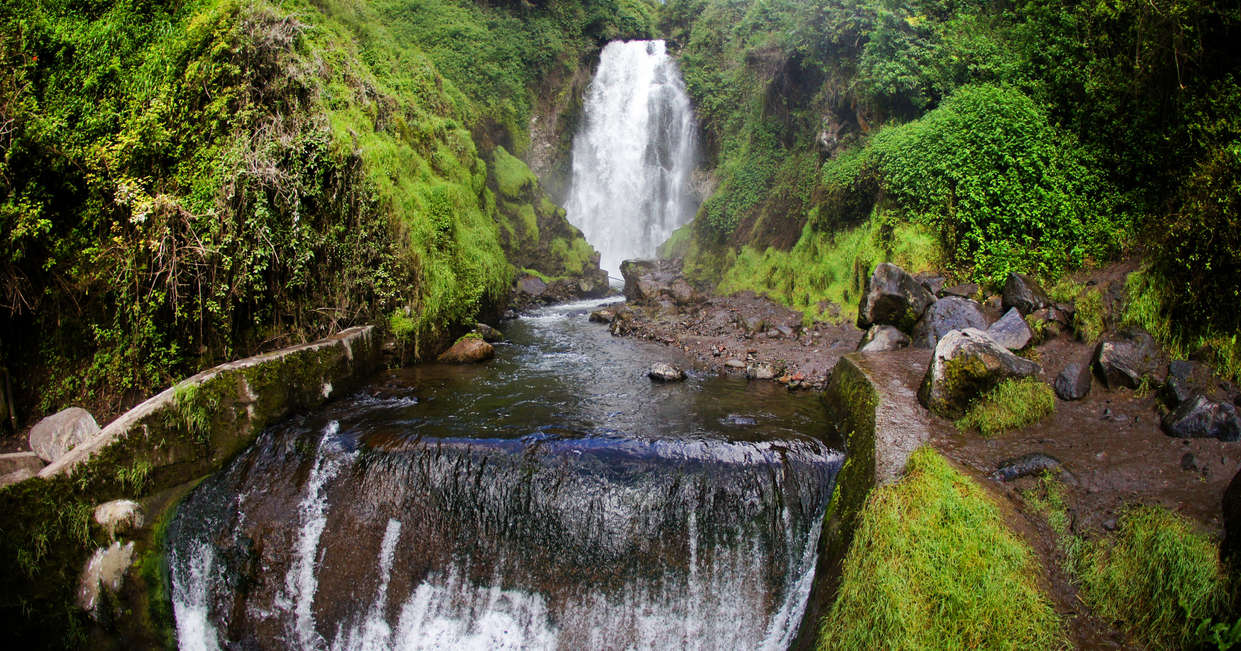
{"x": 633, "y": 156}
{"x": 554, "y": 498}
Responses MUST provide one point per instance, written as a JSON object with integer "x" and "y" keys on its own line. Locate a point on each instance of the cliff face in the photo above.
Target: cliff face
{"x": 184, "y": 184}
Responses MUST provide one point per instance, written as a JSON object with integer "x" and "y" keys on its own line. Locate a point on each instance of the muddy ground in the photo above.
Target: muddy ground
{"x": 1110, "y": 443}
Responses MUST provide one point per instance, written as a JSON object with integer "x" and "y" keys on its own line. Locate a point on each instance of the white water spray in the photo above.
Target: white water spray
{"x": 633, "y": 156}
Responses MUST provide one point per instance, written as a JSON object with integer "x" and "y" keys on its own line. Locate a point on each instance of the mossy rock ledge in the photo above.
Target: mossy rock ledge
{"x": 154, "y": 454}
{"x": 872, "y": 405}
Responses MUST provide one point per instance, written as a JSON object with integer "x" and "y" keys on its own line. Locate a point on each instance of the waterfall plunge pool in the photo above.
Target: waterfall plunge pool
{"x": 554, "y": 498}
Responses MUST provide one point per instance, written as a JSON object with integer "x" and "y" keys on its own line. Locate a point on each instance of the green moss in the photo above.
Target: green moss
{"x": 1147, "y": 306}
{"x": 512, "y": 176}
{"x": 933, "y": 566}
{"x": 1011, "y": 405}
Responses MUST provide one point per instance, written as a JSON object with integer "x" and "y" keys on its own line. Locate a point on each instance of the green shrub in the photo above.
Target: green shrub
{"x": 1011, "y": 405}
{"x": 1159, "y": 577}
{"x": 933, "y": 566}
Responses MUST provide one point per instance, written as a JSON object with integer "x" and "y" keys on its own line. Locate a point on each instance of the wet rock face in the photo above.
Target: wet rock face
{"x": 945, "y": 315}
{"x": 966, "y": 364}
{"x": 1024, "y": 293}
{"x": 663, "y": 372}
{"x": 1073, "y": 383}
{"x": 893, "y": 297}
{"x": 468, "y": 350}
{"x": 1011, "y": 331}
{"x": 1124, "y": 361}
{"x": 55, "y": 435}
{"x": 1202, "y": 417}
{"x": 881, "y": 338}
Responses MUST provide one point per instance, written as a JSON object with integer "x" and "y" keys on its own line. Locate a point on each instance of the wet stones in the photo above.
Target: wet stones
{"x": 604, "y": 315}
{"x": 1124, "y": 361}
{"x": 1023, "y": 293}
{"x": 881, "y": 338}
{"x": 664, "y": 372}
{"x": 1011, "y": 330}
{"x": 468, "y": 350}
{"x": 893, "y": 297}
{"x": 119, "y": 517}
{"x": 55, "y": 435}
{"x": 760, "y": 372}
{"x": 945, "y": 315}
{"x": 1202, "y": 417}
{"x": 104, "y": 574}
{"x": 488, "y": 333}
{"x": 966, "y": 364}
{"x": 1073, "y": 383}
{"x": 1025, "y": 465}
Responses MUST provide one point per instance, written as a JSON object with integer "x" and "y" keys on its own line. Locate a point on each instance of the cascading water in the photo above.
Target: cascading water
{"x": 551, "y": 499}
{"x": 633, "y": 156}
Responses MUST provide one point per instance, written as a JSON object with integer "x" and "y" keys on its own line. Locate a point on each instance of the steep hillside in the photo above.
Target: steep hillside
{"x": 976, "y": 138}
{"x": 183, "y": 183}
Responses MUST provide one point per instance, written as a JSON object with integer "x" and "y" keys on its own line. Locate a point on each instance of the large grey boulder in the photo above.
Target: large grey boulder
{"x": 1201, "y": 417}
{"x": 531, "y": 286}
{"x": 966, "y": 364}
{"x": 881, "y": 338}
{"x": 1125, "y": 360}
{"x": 55, "y": 435}
{"x": 893, "y": 297}
{"x": 119, "y": 517}
{"x": 1011, "y": 330}
{"x": 945, "y": 315}
{"x": 105, "y": 571}
{"x": 1024, "y": 293}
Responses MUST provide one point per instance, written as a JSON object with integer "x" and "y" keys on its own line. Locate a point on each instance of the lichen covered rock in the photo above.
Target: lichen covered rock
{"x": 966, "y": 364}
{"x": 893, "y": 297}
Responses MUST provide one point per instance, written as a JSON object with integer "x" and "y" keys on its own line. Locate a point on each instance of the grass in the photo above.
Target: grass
{"x": 933, "y": 566}
{"x": 1088, "y": 316}
{"x": 1011, "y": 405}
{"x": 1159, "y": 577}
{"x": 832, "y": 267}
{"x": 1146, "y": 298}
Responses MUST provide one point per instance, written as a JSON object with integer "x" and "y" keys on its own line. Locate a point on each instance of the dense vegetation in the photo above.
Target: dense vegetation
{"x": 1039, "y": 137}
{"x": 183, "y": 183}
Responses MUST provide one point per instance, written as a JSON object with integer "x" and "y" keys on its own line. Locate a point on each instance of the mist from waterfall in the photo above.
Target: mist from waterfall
{"x": 633, "y": 154}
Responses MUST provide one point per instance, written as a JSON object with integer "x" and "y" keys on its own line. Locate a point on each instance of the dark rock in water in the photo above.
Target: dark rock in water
{"x": 893, "y": 297}
{"x": 1202, "y": 417}
{"x": 945, "y": 315}
{"x": 531, "y": 285}
{"x": 966, "y": 290}
{"x": 966, "y": 364}
{"x": 488, "y": 333}
{"x": 1024, "y": 466}
{"x": 468, "y": 350}
{"x": 1124, "y": 361}
{"x": 605, "y": 315}
{"x": 881, "y": 338}
{"x": 1011, "y": 330}
{"x": 1073, "y": 383}
{"x": 1230, "y": 548}
{"x": 55, "y": 435}
{"x": 932, "y": 282}
{"x": 662, "y": 372}
{"x": 1024, "y": 293}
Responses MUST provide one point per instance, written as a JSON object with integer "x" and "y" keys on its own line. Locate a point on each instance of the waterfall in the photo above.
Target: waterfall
{"x": 633, "y": 155}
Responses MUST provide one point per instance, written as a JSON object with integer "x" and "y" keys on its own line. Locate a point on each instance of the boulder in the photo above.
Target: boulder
{"x": 488, "y": 333}
{"x": 531, "y": 285}
{"x": 966, "y": 364}
{"x": 882, "y": 338}
{"x": 119, "y": 516}
{"x": 1011, "y": 330}
{"x": 965, "y": 290}
{"x": 662, "y": 372}
{"x": 1024, "y": 293}
{"x": 468, "y": 350}
{"x": 931, "y": 281}
{"x": 603, "y": 315}
{"x": 1125, "y": 360}
{"x": 19, "y": 466}
{"x": 893, "y": 297}
{"x": 734, "y": 363}
{"x": 760, "y": 372}
{"x": 105, "y": 571}
{"x": 55, "y": 435}
{"x": 1185, "y": 380}
{"x": 945, "y": 315}
{"x": 1073, "y": 383}
{"x": 647, "y": 280}
{"x": 1201, "y": 417}
{"x": 1230, "y": 548}
{"x": 682, "y": 292}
